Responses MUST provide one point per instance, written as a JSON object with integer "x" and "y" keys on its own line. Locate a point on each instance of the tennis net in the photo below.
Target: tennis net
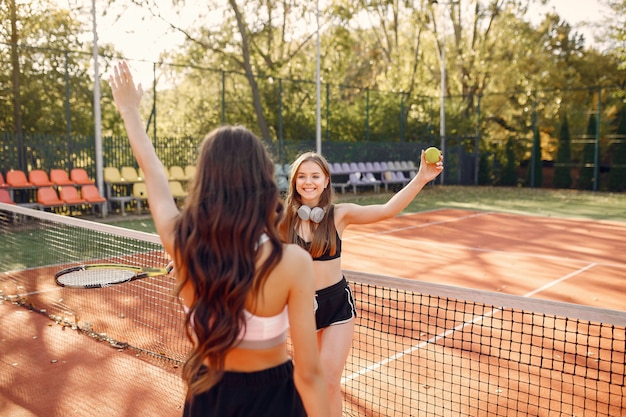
{"x": 420, "y": 349}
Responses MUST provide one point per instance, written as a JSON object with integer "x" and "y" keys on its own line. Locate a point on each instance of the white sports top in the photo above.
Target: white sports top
{"x": 264, "y": 332}
{"x": 261, "y": 332}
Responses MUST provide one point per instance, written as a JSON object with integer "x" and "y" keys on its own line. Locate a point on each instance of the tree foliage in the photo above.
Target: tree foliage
{"x": 49, "y": 50}
{"x": 616, "y": 30}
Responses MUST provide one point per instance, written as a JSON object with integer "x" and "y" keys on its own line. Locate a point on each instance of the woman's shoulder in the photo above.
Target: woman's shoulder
{"x": 294, "y": 264}
{"x": 341, "y": 210}
{"x": 295, "y": 259}
{"x": 341, "y": 207}
{"x": 294, "y": 253}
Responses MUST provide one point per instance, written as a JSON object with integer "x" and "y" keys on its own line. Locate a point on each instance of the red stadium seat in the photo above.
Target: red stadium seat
{"x": 3, "y": 184}
{"x": 69, "y": 195}
{"x": 91, "y": 194}
{"x": 17, "y": 179}
{"x": 79, "y": 176}
{"x": 39, "y": 178}
{"x": 5, "y": 197}
{"x": 47, "y": 197}
{"x": 59, "y": 177}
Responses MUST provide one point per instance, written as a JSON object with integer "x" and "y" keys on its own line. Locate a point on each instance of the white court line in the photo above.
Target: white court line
{"x": 38, "y": 292}
{"x": 559, "y": 280}
{"x": 447, "y": 333}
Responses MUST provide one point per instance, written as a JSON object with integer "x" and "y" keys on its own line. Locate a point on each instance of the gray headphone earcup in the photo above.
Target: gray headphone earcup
{"x": 304, "y": 212}
{"x": 317, "y": 214}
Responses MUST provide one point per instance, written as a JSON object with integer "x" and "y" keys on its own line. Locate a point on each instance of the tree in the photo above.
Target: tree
{"x": 562, "y": 170}
{"x": 616, "y": 30}
{"x": 261, "y": 38}
{"x": 587, "y": 168}
{"x": 617, "y": 175}
{"x": 51, "y": 91}
{"x": 46, "y": 40}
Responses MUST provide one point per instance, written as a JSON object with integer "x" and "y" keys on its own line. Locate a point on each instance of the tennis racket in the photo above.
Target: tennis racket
{"x": 104, "y": 275}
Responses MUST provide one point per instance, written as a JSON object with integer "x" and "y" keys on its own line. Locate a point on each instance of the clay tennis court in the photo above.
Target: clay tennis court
{"x": 51, "y": 370}
{"x": 577, "y": 261}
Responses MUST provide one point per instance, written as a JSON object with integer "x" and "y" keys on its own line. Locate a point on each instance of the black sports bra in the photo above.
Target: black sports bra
{"x": 326, "y": 256}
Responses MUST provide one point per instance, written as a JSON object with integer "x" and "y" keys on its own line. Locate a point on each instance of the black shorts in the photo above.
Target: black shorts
{"x": 267, "y": 393}
{"x": 334, "y": 305}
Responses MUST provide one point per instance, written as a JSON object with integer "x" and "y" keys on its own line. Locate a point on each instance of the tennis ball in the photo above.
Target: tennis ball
{"x": 432, "y": 155}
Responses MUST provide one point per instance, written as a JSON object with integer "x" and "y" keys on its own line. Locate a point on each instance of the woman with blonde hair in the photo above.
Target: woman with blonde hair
{"x": 240, "y": 284}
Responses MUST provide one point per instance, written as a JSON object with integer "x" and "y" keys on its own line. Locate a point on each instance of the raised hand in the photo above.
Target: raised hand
{"x": 126, "y": 95}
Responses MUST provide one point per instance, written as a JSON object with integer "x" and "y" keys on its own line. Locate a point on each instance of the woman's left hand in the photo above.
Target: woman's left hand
{"x": 429, "y": 172}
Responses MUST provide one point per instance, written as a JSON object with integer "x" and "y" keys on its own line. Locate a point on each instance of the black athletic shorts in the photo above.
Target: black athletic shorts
{"x": 334, "y": 305}
{"x": 267, "y": 393}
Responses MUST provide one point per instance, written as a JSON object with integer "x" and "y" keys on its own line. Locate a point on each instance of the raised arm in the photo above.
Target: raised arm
{"x": 127, "y": 98}
{"x": 357, "y": 214}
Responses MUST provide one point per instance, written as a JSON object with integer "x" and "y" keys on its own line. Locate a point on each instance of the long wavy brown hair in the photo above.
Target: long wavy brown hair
{"x": 324, "y": 232}
{"x": 232, "y": 201}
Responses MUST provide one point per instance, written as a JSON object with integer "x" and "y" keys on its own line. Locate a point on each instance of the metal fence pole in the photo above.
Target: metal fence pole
{"x": 154, "y": 109}
{"x": 68, "y": 114}
{"x": 367, "y": 115}
{"x": 596, "y": 164}
{"x": 477, "y": 142}
{"x": 533, "y": 150}
{"x": 97, "y": 111}
{"x": 223, "y": 97}
{"x": 280, "y": 120}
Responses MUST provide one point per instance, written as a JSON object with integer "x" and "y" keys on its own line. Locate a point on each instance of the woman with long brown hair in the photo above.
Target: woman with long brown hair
{"x": 240, "y": 285}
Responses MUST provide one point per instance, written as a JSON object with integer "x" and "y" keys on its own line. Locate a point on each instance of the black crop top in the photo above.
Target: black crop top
{"x": 326, "y": 256}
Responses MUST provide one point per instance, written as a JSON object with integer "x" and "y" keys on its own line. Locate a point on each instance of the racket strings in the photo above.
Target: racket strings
{"x": 96, "y": 277}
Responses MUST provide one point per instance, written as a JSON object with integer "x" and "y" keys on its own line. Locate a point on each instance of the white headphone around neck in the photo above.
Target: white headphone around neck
{"x": 315, "y": 214}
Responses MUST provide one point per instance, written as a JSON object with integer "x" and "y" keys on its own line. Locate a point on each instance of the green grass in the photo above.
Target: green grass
{"x": 541, "y": 202}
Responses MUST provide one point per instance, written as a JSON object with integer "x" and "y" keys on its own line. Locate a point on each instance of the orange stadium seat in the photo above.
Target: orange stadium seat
{"x": 3, "y": 184}
{"x": 39, "y": 178}
{"x": 69, "y": 195}
{"x": 17, "y": 179}
{"x": 59, "y": 177}
{"x": 91, "y": 194}
{"x": 47, "y": 197}
{"x": 80, "y": 177}
{"x": 5, "y": 197}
